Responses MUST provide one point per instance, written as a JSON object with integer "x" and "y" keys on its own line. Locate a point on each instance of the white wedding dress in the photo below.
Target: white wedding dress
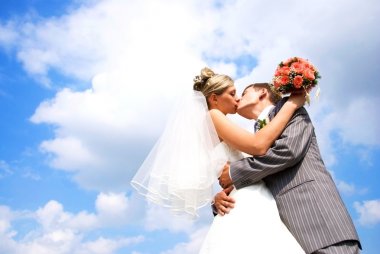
{"x": 253, "y": 226}
{"x": 180, "y": 171}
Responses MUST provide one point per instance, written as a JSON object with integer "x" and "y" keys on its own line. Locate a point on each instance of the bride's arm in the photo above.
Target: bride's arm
{"x": 259, "y": 143}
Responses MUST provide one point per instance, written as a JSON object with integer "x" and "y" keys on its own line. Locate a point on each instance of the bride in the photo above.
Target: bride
{"x": 181, "y": 169}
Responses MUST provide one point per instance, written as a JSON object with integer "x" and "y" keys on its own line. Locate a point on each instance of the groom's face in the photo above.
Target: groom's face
{"x": 248, "y": 102}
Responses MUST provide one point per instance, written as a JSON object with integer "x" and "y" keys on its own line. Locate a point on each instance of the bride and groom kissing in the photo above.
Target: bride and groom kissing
{"x": 279, "y": 199}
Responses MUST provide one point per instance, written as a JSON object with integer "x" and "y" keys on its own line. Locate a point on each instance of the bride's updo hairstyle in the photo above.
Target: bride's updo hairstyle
{"x": 210, "y": 83}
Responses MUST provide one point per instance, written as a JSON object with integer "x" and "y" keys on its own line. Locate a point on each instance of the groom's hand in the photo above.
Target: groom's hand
{"x": 225, "y": 179}
{"x": 222, "y": 202}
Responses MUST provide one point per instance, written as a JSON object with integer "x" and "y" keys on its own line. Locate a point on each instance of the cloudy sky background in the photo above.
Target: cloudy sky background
{"x": 86, "y": 87}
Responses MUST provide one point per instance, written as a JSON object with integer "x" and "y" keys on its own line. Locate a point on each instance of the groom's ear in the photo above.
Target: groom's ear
{"x": 263, "y": 93}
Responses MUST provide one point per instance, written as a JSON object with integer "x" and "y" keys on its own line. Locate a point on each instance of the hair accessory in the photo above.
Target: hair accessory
{"x": 197, "y": 79}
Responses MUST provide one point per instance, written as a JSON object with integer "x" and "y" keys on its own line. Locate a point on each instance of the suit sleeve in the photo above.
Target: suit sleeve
{"x": 289, "y": 149}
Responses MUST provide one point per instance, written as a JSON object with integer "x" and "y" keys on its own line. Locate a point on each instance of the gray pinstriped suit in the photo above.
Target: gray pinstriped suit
{"x": 307, "y": 199}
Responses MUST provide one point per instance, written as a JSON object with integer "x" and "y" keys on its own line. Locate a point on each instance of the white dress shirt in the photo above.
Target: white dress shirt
{"x": 264, "y": 114}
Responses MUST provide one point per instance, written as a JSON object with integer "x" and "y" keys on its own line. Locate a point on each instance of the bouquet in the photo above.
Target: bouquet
{"x": 295, "y": 74}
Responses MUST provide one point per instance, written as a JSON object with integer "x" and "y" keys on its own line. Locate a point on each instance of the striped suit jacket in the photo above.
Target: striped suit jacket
{"x": 307, "y": 199}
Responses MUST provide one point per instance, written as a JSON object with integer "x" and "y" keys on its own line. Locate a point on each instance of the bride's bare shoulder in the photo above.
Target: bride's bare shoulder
{"x": 218, "y": 117}
{"x": 215, "y": 113}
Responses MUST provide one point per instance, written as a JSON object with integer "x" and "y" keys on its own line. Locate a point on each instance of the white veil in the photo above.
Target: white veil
{"x": 182, "y": 167}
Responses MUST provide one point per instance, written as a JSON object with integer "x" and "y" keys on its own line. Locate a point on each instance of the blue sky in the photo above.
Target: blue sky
{"x": 86, "y": 86}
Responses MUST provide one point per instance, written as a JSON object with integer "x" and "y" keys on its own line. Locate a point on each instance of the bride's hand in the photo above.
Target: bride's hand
{"x": 222, "y": 202}
{"x": 297, "y": 100}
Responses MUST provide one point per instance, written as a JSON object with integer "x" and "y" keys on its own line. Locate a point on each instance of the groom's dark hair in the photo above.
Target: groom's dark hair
{"x": 273, "y": 96}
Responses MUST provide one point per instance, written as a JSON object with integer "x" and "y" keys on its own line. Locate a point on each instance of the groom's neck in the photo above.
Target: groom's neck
{"x": 263, "y": 105}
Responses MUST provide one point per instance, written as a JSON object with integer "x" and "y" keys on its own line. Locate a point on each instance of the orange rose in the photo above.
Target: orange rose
{"x": 297, "y": 81}
{"x": 298, "y": 67}
{"x": 307, "y": 64}
{"x": 285, "y": 70}
{"x": 309, "y": 74}
{"x": 284, "y": 80}
{"x": 276, "y": 84}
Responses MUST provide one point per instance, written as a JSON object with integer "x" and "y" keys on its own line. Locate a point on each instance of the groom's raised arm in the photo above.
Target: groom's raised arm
{"x": 289, "y": 149}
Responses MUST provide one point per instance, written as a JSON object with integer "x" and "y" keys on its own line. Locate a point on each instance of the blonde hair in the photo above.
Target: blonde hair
{"x": 208, "y": 82}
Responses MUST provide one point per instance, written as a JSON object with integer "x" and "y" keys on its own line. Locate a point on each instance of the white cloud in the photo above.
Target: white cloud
{"x": 29, "y": 174}
{"x": 8, "y": 35}
{"x": 81, "y": 43}
{"x": 193, "y": 245}
{"x": 347, "y": 189}
{"x": 358, "y": 115}
{"x": 5, "y": 169}
{"x": 112, "y": 208}
{"x": 62, "y": 232}
{"x": 369, "y": 212}
{"x": 72, "y": 153}
{"x": 5, "y": 218}
{"x": 58, "y": 231}
{"x": 99, "y": 129}
{"x": 354, "y": 124}
{"x": 366, "y": 156}
{"x": 107, "y": 246}
{"x": 158, "y": 218}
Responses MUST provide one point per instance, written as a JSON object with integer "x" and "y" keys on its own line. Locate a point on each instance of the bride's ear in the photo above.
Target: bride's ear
{"x": 213, "y": 99}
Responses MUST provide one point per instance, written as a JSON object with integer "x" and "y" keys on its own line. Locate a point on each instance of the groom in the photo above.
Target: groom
{"x": 306, "y": 196}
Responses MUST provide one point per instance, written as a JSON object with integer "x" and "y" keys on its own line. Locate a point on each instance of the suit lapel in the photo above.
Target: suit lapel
{"x": 277, "y": 108}
{"x": 272, "y": 113}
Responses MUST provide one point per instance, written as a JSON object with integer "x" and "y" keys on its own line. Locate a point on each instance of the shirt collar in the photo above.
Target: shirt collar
{"x": 264, "y": 114}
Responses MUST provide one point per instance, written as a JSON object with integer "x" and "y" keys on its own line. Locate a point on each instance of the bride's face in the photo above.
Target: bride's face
{"x": 227, "y": 102}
